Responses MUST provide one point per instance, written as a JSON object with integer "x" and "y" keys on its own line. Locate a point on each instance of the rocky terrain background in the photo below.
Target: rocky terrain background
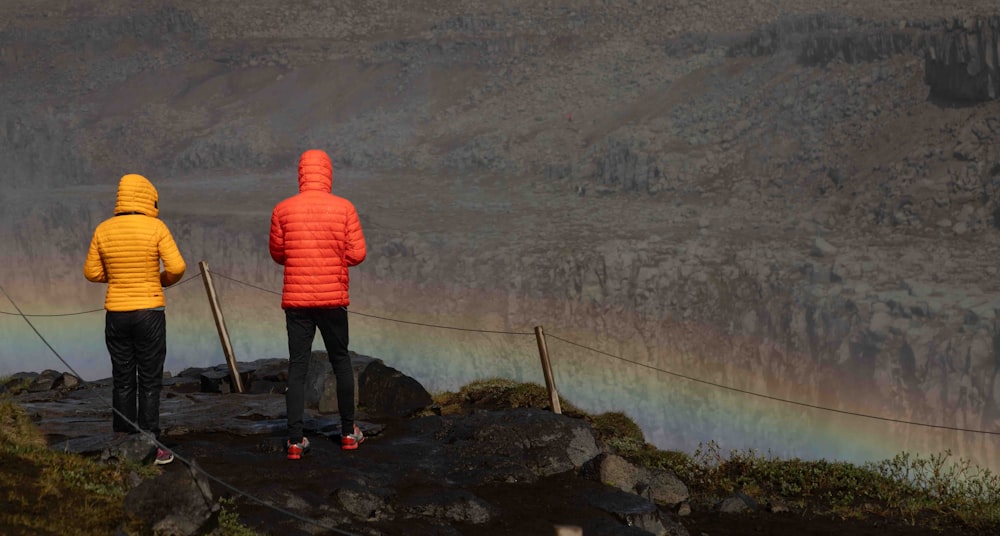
{"x": 791, "y": 197}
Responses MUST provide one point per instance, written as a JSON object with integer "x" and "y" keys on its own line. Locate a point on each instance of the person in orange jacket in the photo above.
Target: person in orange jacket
{"x": 125, "y": 252}
{"x": 317, "y": 236}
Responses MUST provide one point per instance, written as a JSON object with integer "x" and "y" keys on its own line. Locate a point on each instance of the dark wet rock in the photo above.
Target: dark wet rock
{"x": 450, "y": 504}
{"x": 129, "y": 448}
{"x": 211, "y": 381}
{"x": 506, "y": 446}
{"x": 182, "y": 384}
{"x": 110, "y": 447}
{"x": 178, "y": 502}
{"x": 220, "y": 379}
{"x": 426, "y": 475}
{"x": 193, "y": 372}
{"x": 364, "y": 502}
{"x": 269, "y": 369}
{"x": 385, "y": 391}
{"x": 632, "y": 510}
{"x": 45, "y": 381}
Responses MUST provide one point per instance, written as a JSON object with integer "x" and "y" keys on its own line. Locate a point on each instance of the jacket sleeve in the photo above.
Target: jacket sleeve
{"x": 173, "y": 264}
{"x": 356, "y": 248}
{"x": 276, "y": 243}
{"x": 93, "y": 268}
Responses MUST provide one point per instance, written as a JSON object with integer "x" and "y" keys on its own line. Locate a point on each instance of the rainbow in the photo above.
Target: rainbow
{"x": 674, "y": 412}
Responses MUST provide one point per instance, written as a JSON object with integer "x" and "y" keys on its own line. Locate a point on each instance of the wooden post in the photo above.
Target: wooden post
{"x": 220, "y": 324}
{"x": 550, "y": 384}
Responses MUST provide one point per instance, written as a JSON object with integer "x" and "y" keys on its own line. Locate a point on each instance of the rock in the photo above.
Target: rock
{"x": 178, "y": 502}
{"x": 183, "y": 384}
{"x": 364, "y": 501}
{"x": 658, "y": 485}
{"x": 68, "y": 381}
{"x": 129, "y": 448}
{"x": 665, "y": 488}
{"x": 731, "y": 505}
{"x": 737, "y": 502}
{"x": 632, "y": 510}
{"x": 450, "y": 504}
{"x": 384, "y": 391}
{"x": 214, "y": 381}
{"x": 45, "y": 381}
{"x": 613, "y": 470}
{"x": 219, "y": 379}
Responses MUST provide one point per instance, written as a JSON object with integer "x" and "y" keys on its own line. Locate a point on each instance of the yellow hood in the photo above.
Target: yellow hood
{"x": 137, "y": 194}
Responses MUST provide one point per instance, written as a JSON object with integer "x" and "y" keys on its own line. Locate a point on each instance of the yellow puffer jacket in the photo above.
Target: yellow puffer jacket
{"x": 126, "y": 250}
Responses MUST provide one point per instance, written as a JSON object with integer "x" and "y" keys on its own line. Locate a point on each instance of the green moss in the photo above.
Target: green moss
{"x": 53, "y": 492}
{"x": 499, "y": 393}
{"x": 229, "y": 521}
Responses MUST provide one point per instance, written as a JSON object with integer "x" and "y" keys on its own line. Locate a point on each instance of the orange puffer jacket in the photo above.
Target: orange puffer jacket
{"x": 317, "y": 236}
{"x": 126, "y": 250}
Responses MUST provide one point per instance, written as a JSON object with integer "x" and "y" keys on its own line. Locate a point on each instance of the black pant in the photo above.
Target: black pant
{"x": 301, "y": 324}
{"x": 137, "y": 343}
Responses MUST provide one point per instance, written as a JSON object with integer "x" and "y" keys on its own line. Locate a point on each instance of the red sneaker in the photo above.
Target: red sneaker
{"x": 163, "y": 457}
{"x": 296, "y": 450}
{"x": 351, "y": 441}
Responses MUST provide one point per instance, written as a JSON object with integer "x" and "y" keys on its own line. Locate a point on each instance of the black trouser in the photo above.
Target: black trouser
{"x": 301, "y": 324}
{"x": 137, "y": 343}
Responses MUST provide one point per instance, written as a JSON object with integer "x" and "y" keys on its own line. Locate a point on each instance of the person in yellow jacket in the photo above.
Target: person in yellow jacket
{"x": 125, "y": 252}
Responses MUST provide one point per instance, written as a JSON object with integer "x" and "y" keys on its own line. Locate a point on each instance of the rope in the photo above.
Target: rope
{"x": 777, "y": 399}
{"x": 85, "y": 312}
{"x": 152, "y": 439}
{"x": 412, "y": 323}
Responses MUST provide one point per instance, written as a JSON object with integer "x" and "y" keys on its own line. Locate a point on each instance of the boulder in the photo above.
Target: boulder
{"x": 129, "y": 448}
{"x": 658, "y": 485}
{"x": 385, "y": 391}
{"x": 178, "y": 502}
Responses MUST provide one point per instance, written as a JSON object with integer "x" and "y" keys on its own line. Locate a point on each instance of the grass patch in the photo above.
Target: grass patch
{"x": 48, "y": 492}
{"x": 229, "y": 521}
{"x": 499, "y": 393}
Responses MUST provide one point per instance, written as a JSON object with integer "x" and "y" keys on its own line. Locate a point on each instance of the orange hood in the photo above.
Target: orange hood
{"x": 315, "y": 171}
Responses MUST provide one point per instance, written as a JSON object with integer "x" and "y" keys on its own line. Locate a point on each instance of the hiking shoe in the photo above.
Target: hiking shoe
{"x": 163, "y": 456}
{"x": 296, "y": 450}
{"x": 351, "y": 441}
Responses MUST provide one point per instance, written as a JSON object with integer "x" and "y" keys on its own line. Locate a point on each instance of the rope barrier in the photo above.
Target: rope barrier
{"x": 412, "y": 323}
{"x": 85, "y": 312}
{"x": 153, "y": 440}
{"x": 777, "y": 399}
